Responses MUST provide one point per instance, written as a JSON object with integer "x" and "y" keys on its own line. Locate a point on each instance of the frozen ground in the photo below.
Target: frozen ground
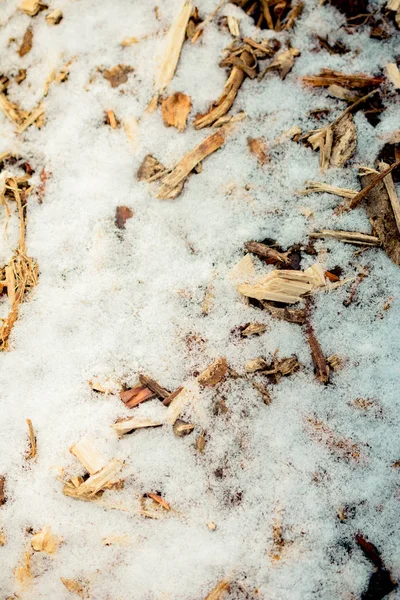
{"x": 115, "y": 305}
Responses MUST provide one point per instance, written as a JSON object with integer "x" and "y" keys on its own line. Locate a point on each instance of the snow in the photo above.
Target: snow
{"x": 115, "y": 305}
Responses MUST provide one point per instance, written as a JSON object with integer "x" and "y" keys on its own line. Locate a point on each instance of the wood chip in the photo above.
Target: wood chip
{"x": 219, "y": 591}
{"x": 284, "y": 286}
{"x": 117, "y": 75}
{"x": 54, "y": 17}
{"x": 32, "y": 7}
{"x": 175, "y": 110}
{"x": 45, "y": 541}
{"x": 154, "y": 386}
{"x": 349, "y": 237}
{"x": 171, "y": 184}
{"x": 276, "y": 369}
{"x": 32, "y": 440}
{"x": 111, "y": 119}
{"x": 27, "y": 42}
{"x": 233, "y": 26}
{"x": 136, "y": 395}
{"x": 132, "y": 423}
{"x": 182, "y": 428}
{"x": 329, "y": 77}
{"x": 88, "y": 455}
{"x": 214, "y": 373}
{"x": 75, "y": 587}
{"x": 122, "y": 214}
{"x": 173, "y": 46}
{"x": 159, "y": 500}
{"x": 101, "y": 480}
{"x": 344, "y": 141}
{"x": 253, "y": 329}
{"x": 258, "y": 147}
{"x": 283, "y": 63}
{"x": 243, "y": 271}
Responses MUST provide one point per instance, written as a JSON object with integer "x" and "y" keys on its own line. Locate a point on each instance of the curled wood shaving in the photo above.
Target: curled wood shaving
{"x": 171, "y": 185}
{"x": 173, "y": 46}
{"x": 214, "y": 373}
{"x": 175, "y": 110}
{"x": 284, "y": 286}
{"x": 132, "y": 423}
{"x": 45, "y": 541}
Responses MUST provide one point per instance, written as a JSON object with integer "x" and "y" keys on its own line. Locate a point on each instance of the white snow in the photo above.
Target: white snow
{"x": 110, "y": 305}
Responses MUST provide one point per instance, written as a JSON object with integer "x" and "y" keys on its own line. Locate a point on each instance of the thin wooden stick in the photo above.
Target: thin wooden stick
{"x": 361, "y": 195}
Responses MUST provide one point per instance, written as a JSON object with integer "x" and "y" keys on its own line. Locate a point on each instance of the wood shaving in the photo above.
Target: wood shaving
{"x": 132, "y": 423}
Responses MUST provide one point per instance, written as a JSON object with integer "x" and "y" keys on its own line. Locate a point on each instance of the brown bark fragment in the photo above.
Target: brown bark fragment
{"x": 329, "y": 77}
{"x": 167, "y": 401}
{"x": 136, "y": 395}
{"x": 122, "y": 214}
{"x": 27, "y": 42}
{"x": 214, "y": 373}
{"x": 321, "y": 367}
{"x": 175, "y": 110}
{"x": 3, "y": 495}
{"x": 150, "y": 169}
{"x": 154, "y": 386}
{"x": 258, "y": 147}
{"x": 117, "y": 75}
{"x": 265, "y": 251}
{"x": 381, "y": 216}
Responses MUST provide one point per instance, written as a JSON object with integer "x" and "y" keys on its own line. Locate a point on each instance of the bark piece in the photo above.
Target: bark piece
{"x": 3, "y": 495}
{"x": 55, "y": 17}
{"x": 321, "y": 367}
{"x": 117, "y": 75}
{"x": 167, "y": 401}
{"x": 136, "y": 395}
{"x": 270, "y": 254}
{"x": 344, "y": 142}
{"x": 327, "y": 77}
{"x": 290, "y": 315}
{"x": 122, "y": 214}
{"x": 27, "y": 42}
{"x": 258, "y": 147}
{"x": 155, "y": 387}
{"x": 45, "y": 541}
{"x": 175, "y": 110}
{"x": 150, "y": 169}
{"x": 381, "y": 216}
{"x": 171, "y": 184}
{"x": 372, "y": 182}
{"x": 214, "y": 373}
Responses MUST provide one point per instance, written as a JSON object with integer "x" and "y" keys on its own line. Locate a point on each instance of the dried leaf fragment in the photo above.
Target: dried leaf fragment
{"x": 122, "y": 214}
{"x": 27, "y": 42}
{"x": 136, "y": 395}
{"x": 117, "y": 75}
{"x": 45, "y": 541}
{"x": 150, "y": 169}
{"x": 175, "y": 110}
{"x": 258, "y": 147}
{"x": 170, "y": 185}
{"x": 218, "y": 592}
{"x": 214, "y": 373}
{"x": 54, "y": 17}
{"x": 75, "y": 587}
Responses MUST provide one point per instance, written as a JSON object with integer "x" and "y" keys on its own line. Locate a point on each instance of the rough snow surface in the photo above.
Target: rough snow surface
{"x": 116, "y": 305}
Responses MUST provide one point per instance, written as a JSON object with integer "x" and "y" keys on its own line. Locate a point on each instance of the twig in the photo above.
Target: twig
{"x": 361, "y": 195}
